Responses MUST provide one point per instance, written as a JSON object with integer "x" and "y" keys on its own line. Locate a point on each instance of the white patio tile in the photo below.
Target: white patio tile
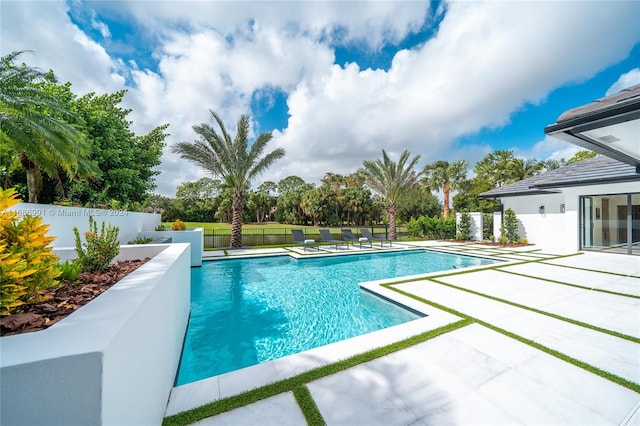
{"x": 192, "y": 395}
{"x": 606, "y": 262}
{"x": 578, "y": 342}
{"x": 279, "y": 410}
{"x": 613, "y": 312}
{"x": 598, "y": 280}
{"x": 447, "y": 381}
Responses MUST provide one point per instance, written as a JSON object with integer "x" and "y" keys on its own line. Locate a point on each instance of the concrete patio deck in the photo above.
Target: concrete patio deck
{"x": 509, "y": 366}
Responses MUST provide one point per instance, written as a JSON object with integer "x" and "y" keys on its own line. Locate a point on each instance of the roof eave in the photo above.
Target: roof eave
{"x": 516, "y": 194}
{"x": 589, "y": 182}
{"x": 570, "y": 130}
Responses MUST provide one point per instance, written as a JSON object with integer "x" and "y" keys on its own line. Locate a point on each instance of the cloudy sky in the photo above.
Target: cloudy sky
{"x": 338, "y": 81}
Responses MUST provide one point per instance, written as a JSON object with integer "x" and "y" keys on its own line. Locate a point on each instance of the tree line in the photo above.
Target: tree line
{"x": 56, "y": 146}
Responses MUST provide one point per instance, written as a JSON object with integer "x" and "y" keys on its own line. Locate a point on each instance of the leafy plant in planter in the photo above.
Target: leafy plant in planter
{"x": 69, "y": 271}
{"x": 140, "y": 240}
{"x": 98, "y": 250}
{"x": 27, "y": 265}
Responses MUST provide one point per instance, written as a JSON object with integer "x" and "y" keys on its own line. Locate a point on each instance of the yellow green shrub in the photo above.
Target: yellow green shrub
{"x": 179, "y": 225}
{"x": 27, "y": 265}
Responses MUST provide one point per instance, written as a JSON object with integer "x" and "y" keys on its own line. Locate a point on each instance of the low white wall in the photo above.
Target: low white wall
{"x": 497, "y": 222}
{"x": 62, "y": 219}
{"x": 193, "y": 236}
{"x": 546, "y": 230}
{"x": 111, "y": 362}
{"x": 476, "y": 225}
{"x": 127, "y": 252}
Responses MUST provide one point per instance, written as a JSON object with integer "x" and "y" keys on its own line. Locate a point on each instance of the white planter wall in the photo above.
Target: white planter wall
{"x": 62, "y": 219}
{"x": 193, "y": 236}
{"x": 113, "y": 361}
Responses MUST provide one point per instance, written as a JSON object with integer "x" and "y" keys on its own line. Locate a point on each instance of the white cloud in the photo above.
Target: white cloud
{"x": 550, "y": 148}
{"x": 45, "y": 28}
{"x": 626, "y": 80}
{"x": 372, "y": 23}
{"x": 487, "y": 60}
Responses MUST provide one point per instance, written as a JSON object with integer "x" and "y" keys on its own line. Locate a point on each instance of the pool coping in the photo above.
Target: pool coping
{"x": 191, "y": 395}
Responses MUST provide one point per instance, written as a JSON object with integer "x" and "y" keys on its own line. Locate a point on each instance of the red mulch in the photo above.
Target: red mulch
{"x": 64, "y": 300}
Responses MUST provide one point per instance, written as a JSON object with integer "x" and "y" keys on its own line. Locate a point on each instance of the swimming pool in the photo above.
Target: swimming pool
{"x": 247, "y": 311}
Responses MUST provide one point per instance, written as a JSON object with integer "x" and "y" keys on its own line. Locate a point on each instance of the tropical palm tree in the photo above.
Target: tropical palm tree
{"x": 234, "y": 161}
{"x": 30, "y": 127}
{"x": 446, "y": 176}
{"x": 520, "y": 169}
{"x": 390, "y": 180}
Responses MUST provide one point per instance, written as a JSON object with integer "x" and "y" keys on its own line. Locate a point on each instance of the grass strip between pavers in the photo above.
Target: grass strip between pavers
{"x": 618, "y": 274}
{"x": 616, "y": 293}
{"x": 592, "y": 369}
{"x": 286, "y": 385}
{"x": 308, "y": 406}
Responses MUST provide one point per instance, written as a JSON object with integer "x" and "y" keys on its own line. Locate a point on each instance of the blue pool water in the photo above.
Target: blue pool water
{"x": 247, "y": 311}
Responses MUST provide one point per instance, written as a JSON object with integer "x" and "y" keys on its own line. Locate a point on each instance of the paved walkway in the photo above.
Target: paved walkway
{"x": 585, "y": 307}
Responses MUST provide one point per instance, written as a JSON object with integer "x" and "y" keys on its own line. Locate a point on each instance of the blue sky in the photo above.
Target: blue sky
{"x": 337, "y": 82}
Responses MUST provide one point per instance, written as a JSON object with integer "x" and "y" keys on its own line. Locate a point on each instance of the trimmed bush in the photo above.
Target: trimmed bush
{"x": 433, "y": 227}
{"x": 487, "y": 226}
{"x": 464, "y": 227}
{"x": 510, "y": 226}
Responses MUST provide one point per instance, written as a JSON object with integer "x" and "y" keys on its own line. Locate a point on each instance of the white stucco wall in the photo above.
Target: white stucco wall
{"x": 555, "y": 231}
{"x": 193, "y": 236}
{"x": 112, "y": 362}
{"x": 62, "y": 219}
{"x": 546, "y": 230}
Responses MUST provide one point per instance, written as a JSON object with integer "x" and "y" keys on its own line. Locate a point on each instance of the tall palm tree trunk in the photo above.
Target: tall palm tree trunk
{"x": 236, "y": 221}
{"x": 392, "y": 210}
{"x": 445, "y": 192}
{"x": 33, "y": 177}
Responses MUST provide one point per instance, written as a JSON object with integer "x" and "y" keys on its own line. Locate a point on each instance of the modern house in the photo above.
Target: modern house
{"x": 593, "y": 204}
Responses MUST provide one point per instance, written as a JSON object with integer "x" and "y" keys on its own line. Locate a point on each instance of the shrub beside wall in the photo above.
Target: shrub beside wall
{"x": 464, "y": 227}
{"x": 433, "y": 227}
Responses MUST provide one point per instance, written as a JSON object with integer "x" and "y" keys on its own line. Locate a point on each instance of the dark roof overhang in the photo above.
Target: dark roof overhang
{"x": 515, "y": 194}
{"x": 587, "y": 182}
{"x": 609, "y": 126}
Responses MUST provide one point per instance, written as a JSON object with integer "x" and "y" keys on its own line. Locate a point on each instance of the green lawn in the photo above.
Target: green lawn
{"x": 247, "y": 228}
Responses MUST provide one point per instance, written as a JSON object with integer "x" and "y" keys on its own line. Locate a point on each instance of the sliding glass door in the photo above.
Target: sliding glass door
{"x": 610, "y": 223}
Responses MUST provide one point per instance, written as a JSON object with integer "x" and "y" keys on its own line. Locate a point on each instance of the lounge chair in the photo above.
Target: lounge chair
{"x": 366, "y": 233}
{"x": 326, "y": 237}
{"x": 298, "y": 237}
{"x": 348, "y": 236}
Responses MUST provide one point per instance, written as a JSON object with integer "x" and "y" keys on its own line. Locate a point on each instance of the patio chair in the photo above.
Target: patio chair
{"x": 326, "y": 237}
{"x": 298, "y": 237}
{"x": 348, "y": 236}
{"x": 366, "y": 233}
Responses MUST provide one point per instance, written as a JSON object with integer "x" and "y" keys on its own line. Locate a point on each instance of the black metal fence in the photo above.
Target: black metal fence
{"x": 251, "y": 236}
